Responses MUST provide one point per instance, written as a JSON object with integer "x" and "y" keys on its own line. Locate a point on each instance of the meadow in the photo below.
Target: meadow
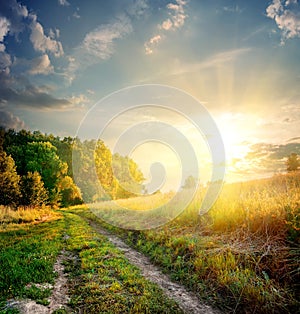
{"x": 242, "y": 256}
{"x": 101, "y": 280}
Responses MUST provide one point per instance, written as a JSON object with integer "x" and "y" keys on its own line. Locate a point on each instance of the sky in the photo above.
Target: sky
{"x": 239, "y": 59}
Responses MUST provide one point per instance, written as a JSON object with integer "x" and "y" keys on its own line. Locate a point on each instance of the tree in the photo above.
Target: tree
{"x": 64, "y": 151}
{"x": 83, "y": 169}
{"x": 42, "y": 157}
{"x": 9, "y": 181}
{"x": 70, "y": 193}
{"x": 293, "y": 162}
{"x": 128, "y": 175}
{"x": 190, "y": 183}
{"x": 103, "y": 164}
{"x": 33, "y": 190}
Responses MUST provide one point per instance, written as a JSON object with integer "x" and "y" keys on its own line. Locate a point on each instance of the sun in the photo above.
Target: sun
{"x": 235, "y": 136}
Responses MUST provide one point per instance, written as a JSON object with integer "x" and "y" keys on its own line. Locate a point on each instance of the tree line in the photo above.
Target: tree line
{"x": 38, "y": 169}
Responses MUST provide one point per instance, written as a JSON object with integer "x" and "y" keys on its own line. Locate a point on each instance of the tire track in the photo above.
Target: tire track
{"x": 186, "y": 300}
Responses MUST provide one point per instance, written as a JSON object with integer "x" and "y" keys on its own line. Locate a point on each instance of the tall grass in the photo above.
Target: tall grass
{"x": 243, "y": 254}
{"x": 25, "y": 214}
{"x": 268, "y": 209}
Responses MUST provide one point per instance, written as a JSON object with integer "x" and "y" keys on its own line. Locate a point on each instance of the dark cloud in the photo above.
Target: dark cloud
{"x": 270, "y": 158}
{"x": 16, "y": 13}
{"x": 9, "y": 121}
{"x": 18, "y": 91}
{"x": 294, "y": 139}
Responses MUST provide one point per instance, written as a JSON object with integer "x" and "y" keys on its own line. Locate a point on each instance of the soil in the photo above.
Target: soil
{"x": 59, "y": 297}
{"x": 186, "y": 300}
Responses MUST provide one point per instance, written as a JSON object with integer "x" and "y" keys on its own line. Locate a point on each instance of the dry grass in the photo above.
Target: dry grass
{"x": 25, "y": 215}
{"x": 243, "y": 254}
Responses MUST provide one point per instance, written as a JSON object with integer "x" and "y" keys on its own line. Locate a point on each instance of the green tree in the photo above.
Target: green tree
{"x": 70, "y": 193}
{"x": 293, "y": 162}
{"x": 42, "y": 157}
{"x": 83, "y": 169}
{"x": 64, "y": 151}
{"x": 128, "y": 175}
{"x": 33, "y": 190}
{"x": 103, "y": 164}
{"x": 9, "y": 181}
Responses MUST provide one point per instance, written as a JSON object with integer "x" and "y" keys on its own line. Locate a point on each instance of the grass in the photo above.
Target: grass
{"x": 243, "y": 255}
{"x": 103, "y": 281}
{"x": 27, "y": 255}
{"x": 25, "y": 215}
{"x": 101, "y": 278}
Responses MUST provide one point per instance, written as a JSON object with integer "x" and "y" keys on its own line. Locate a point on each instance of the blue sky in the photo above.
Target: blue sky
{"x": 238, "y": 58}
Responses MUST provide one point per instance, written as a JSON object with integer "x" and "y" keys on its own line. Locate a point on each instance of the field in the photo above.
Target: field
{"x": 242, "y": 256}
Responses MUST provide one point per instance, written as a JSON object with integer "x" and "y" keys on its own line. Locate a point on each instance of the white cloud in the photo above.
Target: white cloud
{"x": 41, "y": 42}
{"x": 151, "y": 42}
{"x": 21, "y": 9}
{"x": 80, "y": 100}
{"x": 5, "y": 62}
{"x": 177, "y": 13}
{"x": 176, "y": 20}
{"x": 41, "y": 65}
{"x": 166, "y": 25}
{"x": 63, "y": 3}
{"x": 4, "y": 29}
{"x": 97, "y": 45}
{"x": 287, "y": 17}
{"x": 100, "y": 42}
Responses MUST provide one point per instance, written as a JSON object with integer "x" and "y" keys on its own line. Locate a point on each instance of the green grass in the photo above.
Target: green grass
{"x": 242, "y": 256}
{"x": 103, "y": 281}
{"x": 27, "y": 255}
{"x": 101, "y": 278}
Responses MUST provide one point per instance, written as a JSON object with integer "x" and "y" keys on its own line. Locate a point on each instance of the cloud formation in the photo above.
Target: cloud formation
{"x": 16, "y": 13}
{"x": 41, "y": 65}
{"x": 4, "y": 28}
{"x": 151, "y": 43}
{"x": 286, "y": 14}
{"x": 18, "y": 91}
{"x": 265, "y": 159}
{"x": 176, "y": 20}
{"x": 10, "y": 121}
{"x": 98, "y": 44}
{"x": 100, "y": 41}
{"x": 41, "y": 42}
{"x": 5, "y": 62}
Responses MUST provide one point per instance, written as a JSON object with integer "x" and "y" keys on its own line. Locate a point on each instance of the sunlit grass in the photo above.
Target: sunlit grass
{"x": 101, "y": 278}
{"x": 103, "y": 281}
{"x": 243, "y": 255}
{"x": 26, "y": 214}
